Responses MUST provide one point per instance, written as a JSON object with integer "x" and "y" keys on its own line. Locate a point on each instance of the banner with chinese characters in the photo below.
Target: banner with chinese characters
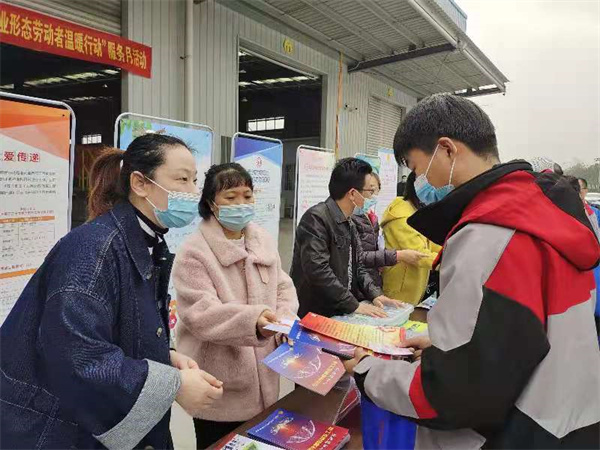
{"x": 30, "y": 29}
{"x": 262, "y": 158}
{"x": 35, "y": 182}
{"x": 198, "y": 137}
{"x": 313, "y": 171}
{"x": 388, "y": 174}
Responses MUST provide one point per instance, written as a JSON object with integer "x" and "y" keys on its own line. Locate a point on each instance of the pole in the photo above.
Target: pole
{"x": 188, "y": 61}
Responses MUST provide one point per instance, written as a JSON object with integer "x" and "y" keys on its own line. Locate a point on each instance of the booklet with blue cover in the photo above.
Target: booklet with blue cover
{"x": 292, "y": 431}
{"x": 307, "y": 366}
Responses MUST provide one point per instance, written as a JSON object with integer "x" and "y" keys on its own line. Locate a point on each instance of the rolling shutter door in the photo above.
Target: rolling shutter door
{"x": 383, "y": 119}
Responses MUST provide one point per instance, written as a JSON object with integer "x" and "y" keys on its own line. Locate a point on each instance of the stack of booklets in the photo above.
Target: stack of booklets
{"x": 238, "y": 442}
{"x": 292, "y": 431}
{"x": 397, "y": 316}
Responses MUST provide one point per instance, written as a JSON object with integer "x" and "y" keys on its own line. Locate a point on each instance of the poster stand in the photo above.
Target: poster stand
{"x": 199, "y": 137}
{"x": 37, "y": 147}
{"x": 262, "y": 157}
{"x": 300, "y": 150}
{"x": 43, "y": 101}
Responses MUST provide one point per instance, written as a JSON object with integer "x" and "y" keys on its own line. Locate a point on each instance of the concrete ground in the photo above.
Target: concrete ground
{"x": 182, "y": 427}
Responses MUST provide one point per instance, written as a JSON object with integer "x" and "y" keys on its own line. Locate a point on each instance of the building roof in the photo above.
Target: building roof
{"x": 419, "y": 44}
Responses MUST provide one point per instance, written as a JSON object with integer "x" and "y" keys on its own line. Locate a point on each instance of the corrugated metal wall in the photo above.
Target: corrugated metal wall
{"x": 102, "y": 15}
{"x": 159, "y": 24}
{"x": 219, "y": 31}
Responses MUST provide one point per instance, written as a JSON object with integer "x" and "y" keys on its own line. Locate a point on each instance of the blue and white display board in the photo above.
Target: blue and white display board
{"x": 198, "y": 137}
{"x": 262, "y": 157}
{"x": 388, "y": 173}
{"x": 313, "y": 171}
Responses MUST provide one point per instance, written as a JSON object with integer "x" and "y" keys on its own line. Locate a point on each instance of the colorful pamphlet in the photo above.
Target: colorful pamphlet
{"x": 238, "y": 442}
{"x": 330, "y": 345}
{"x": 385, "y": 340}
{"x": 396, "y": 316}
{"x": 307, "y": 366}
{"x": 292, "y": 431}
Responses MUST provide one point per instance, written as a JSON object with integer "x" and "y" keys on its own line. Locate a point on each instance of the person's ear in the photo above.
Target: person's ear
{"x": 139, "y": 184}
{"x": 447, "y": 148}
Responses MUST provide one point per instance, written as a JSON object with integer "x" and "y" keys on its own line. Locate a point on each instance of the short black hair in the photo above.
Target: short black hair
{"x": 574, "y": 182}
{"x": 348, "y": 173}
{"x": 445, "y": 115}
{"x": 584, "y": 182}
{"x": 218, "y": 178}
{"x": 410, "y": 193}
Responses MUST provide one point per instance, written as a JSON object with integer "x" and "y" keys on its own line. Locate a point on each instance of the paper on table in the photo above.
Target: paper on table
{"x": 379, "y": 339}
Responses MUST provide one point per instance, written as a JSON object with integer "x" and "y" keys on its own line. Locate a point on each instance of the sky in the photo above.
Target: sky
{"x": 550, "y": 52}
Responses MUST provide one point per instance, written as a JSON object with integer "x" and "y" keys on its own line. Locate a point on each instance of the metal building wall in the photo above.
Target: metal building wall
{"x": 103, "y": 15}
{"x": 159, "y": 24}
{"x": 218, "y": 32}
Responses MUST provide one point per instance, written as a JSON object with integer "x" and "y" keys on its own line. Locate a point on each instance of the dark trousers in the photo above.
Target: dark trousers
{"x": 209, "y": 432}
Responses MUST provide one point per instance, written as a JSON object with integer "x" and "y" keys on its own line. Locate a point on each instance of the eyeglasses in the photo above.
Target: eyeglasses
{"x": 370, "y": 192}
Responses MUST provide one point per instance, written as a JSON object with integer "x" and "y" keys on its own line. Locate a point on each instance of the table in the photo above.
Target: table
{"x": 321, "y": 408}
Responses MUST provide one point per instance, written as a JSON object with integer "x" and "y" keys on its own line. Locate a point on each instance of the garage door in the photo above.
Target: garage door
{"x": 383, "y": 119}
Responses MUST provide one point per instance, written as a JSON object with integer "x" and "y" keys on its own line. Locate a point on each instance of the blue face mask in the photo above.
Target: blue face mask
{"x": 182, "y": 208}
{"x": 369, "y": 203}
{"x": 428, "y": 193}
{"x": 235, "y": 217}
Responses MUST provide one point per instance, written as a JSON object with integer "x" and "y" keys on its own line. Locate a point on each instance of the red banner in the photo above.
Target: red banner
{"x": 29, "y": 29}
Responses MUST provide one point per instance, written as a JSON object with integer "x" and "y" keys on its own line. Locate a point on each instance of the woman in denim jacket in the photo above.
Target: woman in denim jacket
{"x": 85, "y": 359}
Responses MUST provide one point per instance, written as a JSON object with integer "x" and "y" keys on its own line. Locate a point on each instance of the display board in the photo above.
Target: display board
{"x": 262, "y": 157}
{"x": 36, "y": 182}
{"x": 313, "y": 171}
{"x": 198, "y": 137}
{"x": 388, "y": 173}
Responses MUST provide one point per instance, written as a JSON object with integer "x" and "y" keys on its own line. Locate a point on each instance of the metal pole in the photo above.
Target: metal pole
{"x": 188, "y": 61}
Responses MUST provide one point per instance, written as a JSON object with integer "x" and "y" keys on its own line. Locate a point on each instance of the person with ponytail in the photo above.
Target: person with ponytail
{"x": 85, "y": 358}
{"x": 230, "y": 286}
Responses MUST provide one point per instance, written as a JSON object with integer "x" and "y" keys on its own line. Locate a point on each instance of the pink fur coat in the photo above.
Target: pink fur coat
{"x": 222, "y": 288}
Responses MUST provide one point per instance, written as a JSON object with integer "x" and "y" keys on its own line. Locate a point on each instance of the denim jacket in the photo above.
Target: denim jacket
{"x": 85, "y": 352}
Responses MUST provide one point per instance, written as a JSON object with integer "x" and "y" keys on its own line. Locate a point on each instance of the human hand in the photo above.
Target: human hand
{"x": 418, "y": 343}
{"x": 181, "y": 361}
{"x": 382, "y": 301}
{"x": 359, "y": 354}
{"x": 198, "y": 391}
{"x": 411, "y": 257}
{"x": 266, "y": 318}
{"x": 370, "y": 310}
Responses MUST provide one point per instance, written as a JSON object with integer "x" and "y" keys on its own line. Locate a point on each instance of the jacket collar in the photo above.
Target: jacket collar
{"x": 335, "y": 211}
{"x": 258, "y": 249}
{"x": 128, "y": 225}
{"x": 437, "y": 220}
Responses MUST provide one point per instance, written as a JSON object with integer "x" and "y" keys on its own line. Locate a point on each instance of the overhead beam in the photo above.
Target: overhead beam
{"x": 312, "y": 33}
{"x": 479, "y": 92}
{"x": 406, "y": 56}
{"x": 356, "y": 30}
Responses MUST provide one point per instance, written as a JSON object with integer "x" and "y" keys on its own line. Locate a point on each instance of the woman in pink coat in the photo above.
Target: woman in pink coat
{"x": 230, "y": 285}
